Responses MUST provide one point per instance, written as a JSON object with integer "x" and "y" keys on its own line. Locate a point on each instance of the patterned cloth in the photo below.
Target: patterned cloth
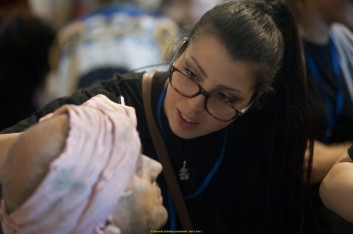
{"x": 111, "y": 40}
{"x": 84, "y": 184}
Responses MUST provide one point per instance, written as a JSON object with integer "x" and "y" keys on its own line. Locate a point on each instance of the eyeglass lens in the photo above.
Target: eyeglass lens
{"x": 187, "y": 87}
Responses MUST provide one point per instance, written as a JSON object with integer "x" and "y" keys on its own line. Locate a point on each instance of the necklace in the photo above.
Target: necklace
{"x": 184, "y": 173}
{"x": 187, "y": 152}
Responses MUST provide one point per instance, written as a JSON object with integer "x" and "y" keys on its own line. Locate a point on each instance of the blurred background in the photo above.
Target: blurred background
{"x": 51, "y": 48}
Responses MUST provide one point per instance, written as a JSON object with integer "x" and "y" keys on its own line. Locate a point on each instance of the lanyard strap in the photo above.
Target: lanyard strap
{"x": 162, "y": 154}
{"x": 332, "y": 112}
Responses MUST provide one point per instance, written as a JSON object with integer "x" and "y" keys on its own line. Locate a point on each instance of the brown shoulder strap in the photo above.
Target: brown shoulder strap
{"x": 163, "y": 154}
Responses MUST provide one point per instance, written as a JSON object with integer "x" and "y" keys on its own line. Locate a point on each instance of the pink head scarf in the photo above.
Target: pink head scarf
{"x": 85, "y": 182}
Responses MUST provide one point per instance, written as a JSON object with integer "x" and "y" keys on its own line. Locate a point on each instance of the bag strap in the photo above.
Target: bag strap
{"x": 163, "y": 154}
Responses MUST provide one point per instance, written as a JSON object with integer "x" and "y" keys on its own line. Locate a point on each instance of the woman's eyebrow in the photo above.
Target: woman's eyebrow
{"x": 231, "y": 89}
{"x": 205, "y": 75}
{"x": 198, "y": 66}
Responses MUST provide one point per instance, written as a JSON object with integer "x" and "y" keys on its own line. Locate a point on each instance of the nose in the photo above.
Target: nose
{"x": 153, "y": 168}
{"x": 197, "y": 103}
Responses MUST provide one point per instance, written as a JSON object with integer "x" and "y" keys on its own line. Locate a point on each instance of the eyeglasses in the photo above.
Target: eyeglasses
{"x": 216, "y": 104}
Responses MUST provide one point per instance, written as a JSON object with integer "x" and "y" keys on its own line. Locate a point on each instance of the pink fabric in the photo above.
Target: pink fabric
{"x": 86, "y": 181}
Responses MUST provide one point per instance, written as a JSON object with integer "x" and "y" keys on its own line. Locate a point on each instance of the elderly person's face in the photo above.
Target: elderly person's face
{"x": 141, "y": 209}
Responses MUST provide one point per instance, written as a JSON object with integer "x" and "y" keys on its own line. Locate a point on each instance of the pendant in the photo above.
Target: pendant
{"x": 184, "y": 173}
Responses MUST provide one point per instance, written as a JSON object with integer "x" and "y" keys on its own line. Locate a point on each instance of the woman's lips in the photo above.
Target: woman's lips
{"x": 185, "y": 122}
{"x": 186, "y": 118}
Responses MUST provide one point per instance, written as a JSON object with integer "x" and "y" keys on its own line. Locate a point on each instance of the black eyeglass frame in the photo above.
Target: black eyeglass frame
{"x": 238, "y": 113}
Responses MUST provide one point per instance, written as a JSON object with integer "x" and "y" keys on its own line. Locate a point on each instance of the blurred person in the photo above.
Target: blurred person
{"x": 187, "y": 12}
{"x": 117, "y": 37}
{"x": 328, "y": 46}
{"x": 61, "y": 177}
{"x": 24, "y": 51}
{"x": 55, "y": 13}
{"x": 18, "y": 6}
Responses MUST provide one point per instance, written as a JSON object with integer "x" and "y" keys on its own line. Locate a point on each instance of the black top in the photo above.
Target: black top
{"x": 247, "y": 194}
{"x": 324, "y": 91}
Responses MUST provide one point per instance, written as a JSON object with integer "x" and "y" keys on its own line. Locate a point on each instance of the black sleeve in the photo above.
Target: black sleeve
{"x": 350, "y": 152}
{"x": 110, "y": 88}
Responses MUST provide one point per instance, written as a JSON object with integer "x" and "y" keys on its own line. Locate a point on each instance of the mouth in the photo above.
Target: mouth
{"x": 186, "y": 122}
{"x": 186, "y": 119}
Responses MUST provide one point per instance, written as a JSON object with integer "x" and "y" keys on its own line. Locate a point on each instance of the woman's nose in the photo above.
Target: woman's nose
{"x": 197, "y": 103}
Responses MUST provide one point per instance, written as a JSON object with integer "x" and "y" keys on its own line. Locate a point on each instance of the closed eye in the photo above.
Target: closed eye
{"x": 190, "y": 74}
{"x": 225, "y": 99}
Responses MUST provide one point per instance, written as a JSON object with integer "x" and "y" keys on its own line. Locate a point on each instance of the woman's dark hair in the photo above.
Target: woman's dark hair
{"x": 269, "y": 143}
{"x": 249, "y": 32}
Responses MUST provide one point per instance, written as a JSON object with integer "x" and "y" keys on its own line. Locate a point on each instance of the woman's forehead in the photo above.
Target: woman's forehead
{"x": 211, "y": 59}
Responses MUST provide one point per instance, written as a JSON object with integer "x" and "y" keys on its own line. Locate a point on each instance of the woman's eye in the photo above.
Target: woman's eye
{"x": 190, "y": 74}
{"x": 224, "y": 98}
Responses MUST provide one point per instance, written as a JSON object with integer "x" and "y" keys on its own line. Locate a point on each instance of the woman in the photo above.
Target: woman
{"x": 232, "y": 110}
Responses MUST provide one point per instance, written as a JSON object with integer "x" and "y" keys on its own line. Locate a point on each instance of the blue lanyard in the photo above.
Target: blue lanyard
{"x": 331, "y": 112}
{"x": 204, "y": 184}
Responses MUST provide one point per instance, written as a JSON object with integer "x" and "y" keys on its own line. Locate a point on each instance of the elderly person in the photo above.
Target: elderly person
{"x": 63, "y": 177}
